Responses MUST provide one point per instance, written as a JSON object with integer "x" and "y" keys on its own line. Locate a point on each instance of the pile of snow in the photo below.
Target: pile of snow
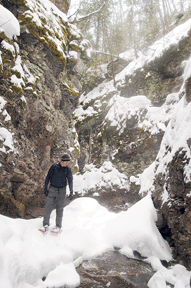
{"x": 133, "y": 235}
{"x": 8, "y": 23}
{"x": 80, "y": 114}
{"x": 145, "y": 180}
{"x": 18, "y": 81}
{"x": 88, "y": 231}
{"x": 96, "y": 179}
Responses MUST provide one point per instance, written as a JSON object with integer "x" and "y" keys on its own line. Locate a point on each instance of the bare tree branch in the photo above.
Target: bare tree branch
{"x": 76, "y": 20}
{"x": 76, "y": 12}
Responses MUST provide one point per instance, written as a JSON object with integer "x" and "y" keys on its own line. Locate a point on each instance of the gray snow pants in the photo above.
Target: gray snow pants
{"x": 57, "y": 196}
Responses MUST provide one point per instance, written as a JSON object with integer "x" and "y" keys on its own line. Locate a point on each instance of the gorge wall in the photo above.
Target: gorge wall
{"x": 123, "y": 121}
{"x": 126, "y": 121}
{"x": 40, "y": 74}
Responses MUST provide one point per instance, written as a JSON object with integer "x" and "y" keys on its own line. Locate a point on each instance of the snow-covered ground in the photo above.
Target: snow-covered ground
{"x": 27, "y": 255}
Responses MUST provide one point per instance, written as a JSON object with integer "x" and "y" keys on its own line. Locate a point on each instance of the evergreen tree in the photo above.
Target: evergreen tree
{"x": 114, "y": 26}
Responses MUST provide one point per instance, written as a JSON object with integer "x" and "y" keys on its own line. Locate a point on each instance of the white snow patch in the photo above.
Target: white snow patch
{"x": 63, "y": 275}
{"x": 8, "y": 47}
{"x": 123, "y": 109}
{"x": 9, "y": 23}
{"x": 97, "y": 178}
{"x": 7, "y": 138}
{"x": 4, "y": 111}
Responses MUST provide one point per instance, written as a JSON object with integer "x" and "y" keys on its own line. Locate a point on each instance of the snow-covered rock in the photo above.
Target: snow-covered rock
{"x": 8, "y": 23}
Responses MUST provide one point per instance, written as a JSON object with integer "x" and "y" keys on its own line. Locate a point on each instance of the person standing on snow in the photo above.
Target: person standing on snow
{"x": 57, "y": 178}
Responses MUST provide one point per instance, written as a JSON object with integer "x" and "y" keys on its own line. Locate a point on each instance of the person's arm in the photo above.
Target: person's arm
{"x": 47, "y": 180}
{"x": 70, "y": 182}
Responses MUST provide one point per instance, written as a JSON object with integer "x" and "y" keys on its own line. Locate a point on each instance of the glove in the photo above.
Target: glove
{"x": 71, "y": 197}
{"x": 46, "y": 192}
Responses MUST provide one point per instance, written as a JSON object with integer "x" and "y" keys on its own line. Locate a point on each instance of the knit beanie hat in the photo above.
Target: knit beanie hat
{"x": 65, "y": 157}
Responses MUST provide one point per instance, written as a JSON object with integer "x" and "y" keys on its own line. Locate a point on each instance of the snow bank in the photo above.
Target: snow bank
{"x": 156, "y": 117}
{"x": 138, "y": 233}
{"x": 88, "y": 230}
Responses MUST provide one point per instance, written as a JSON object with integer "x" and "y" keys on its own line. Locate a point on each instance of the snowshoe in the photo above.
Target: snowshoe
{"x": 56, "y": 230}
{"x": 44, "y": 229}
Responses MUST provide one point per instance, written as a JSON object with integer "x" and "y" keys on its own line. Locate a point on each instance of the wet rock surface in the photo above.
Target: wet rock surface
{"x": 113, "y": 269}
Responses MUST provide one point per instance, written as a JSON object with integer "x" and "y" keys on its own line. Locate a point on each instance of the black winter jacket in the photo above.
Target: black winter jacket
{"x": 58, "y": 177}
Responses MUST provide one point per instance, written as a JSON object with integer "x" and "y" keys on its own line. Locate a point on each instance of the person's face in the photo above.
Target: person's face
{"x": 64, "y": 163}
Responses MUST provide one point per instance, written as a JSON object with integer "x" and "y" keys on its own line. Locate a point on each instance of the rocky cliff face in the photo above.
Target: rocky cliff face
{"x": 40, "y": 74}
{"x": 171, "y": 193}
{"x": 62, "y": 5}
{"x": 126, "y": 121}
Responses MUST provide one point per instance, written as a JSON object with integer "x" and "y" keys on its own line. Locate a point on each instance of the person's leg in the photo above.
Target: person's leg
{"x": 49, "y": 202}
{"x": 60, "y": 206}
